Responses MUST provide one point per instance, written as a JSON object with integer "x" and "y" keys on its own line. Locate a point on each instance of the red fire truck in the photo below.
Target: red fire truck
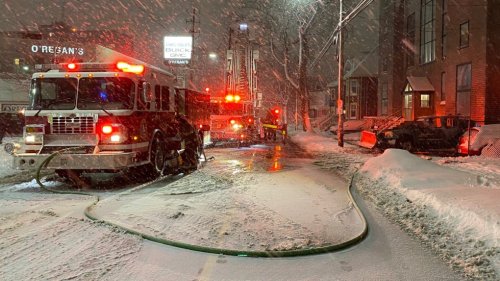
{"x": 229, "y": 123}
{"x": 121, "y": 116}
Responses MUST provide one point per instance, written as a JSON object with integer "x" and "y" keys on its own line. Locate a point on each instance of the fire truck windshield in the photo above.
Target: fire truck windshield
{"x": 53, "y": 93}
{"x": 93, "y": 93}
{"x": 108, "y": 92}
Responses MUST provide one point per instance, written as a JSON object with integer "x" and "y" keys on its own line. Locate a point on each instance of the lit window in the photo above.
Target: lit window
{"x": 425, "y": 100}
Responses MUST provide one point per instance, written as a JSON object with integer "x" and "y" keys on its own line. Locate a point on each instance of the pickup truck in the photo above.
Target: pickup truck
{"x": 426, "y": 134}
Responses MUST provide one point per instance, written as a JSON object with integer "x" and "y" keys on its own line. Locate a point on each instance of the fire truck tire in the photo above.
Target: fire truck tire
{"x": 190, "y": 159}
{"x": 153, "y": 169}
{"x": 157, "y": 158}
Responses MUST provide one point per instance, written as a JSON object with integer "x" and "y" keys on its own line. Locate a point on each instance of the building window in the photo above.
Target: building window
{"x": 464, "y": 85}
{"x": 384, "y": 100}
{"x": 425, "y": 101}
{"x": 444, "y": 17}
{"x": 427, "y": 33}
{"x": 385, "y": 64}
{"x": 464, "y": 35}
{"x": 443, "y": 86}
{"x": 353, "y": 111}
{"x": 354, "y": 87}
{"x": 313, "y": 113}
{"x": 410, "y": 39}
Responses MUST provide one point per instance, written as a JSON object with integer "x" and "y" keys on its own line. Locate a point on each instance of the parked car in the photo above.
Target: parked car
{"x": 479, "y": 139}
{"x": 438, "y": 134}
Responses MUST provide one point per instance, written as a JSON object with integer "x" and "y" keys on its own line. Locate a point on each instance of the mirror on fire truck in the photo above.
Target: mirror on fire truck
{"x": 146, "y": 92}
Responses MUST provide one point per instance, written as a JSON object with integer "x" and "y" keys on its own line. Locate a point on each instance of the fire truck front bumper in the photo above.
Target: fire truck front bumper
{"x": 99, "y": 161}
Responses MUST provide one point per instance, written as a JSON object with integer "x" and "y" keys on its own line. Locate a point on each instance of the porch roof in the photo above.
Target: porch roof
{"x": 419, "y": 84}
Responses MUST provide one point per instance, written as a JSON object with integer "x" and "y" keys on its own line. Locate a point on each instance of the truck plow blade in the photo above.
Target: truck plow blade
{"x": 368, "y": 139}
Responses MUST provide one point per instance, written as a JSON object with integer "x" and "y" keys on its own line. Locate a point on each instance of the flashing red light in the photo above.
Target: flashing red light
{"x": 232, "y": 121}
{"x": 277, "y": 111}
{"x": 107, "y": 129}
{"x": 249, "y": 120}
{"x": 71, "y": 66}
{"x": 207, "y": 89}
{"x": 237, "y": 98}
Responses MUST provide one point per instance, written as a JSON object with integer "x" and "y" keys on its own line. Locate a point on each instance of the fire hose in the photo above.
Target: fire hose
{"x": 193, "y": 247}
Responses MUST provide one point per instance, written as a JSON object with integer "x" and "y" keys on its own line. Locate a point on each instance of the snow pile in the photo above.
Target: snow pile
{"x": 487, "y": 134}
{"x": 449, "y": 210}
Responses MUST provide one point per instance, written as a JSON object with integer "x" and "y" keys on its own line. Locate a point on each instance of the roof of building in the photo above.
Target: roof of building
{"x": 420, "y": 84}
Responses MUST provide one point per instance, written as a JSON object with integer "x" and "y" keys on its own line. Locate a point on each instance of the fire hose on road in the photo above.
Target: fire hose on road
{"x": 230, "y": 252}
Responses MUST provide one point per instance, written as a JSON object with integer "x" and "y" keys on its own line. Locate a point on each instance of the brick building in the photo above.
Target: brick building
{"x": 441, "y": 60}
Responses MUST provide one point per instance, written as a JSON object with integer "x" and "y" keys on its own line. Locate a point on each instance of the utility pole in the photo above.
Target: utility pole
{"x": 192, "y": 31}
{"x": 340, "y": 103}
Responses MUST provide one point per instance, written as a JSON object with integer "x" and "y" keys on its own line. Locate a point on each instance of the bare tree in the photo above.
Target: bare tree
{"x": 293, "y": 25}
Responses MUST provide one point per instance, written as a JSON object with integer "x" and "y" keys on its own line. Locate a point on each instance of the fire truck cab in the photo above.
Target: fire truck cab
{"x": 109, "y": 117}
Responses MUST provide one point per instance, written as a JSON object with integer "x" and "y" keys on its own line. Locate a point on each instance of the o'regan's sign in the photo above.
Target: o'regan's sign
{"x": 57, "y": 50}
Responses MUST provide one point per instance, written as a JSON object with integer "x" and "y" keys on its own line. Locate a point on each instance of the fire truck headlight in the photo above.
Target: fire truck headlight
{"x": 33, "y": 134}
{"x": 116, "y": 138}
{"x": 33, "y": 139}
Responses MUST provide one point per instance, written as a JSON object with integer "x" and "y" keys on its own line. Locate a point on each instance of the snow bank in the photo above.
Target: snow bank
{"x": 450, "y": 210}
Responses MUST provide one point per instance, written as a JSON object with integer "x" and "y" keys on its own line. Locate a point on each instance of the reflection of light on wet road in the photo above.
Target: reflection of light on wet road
{"x": 276, "y": 164}
{"x": 237, "y": 166}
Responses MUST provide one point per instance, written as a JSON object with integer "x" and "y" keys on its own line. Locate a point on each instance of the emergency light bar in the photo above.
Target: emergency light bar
{"x": 91, "y": 67}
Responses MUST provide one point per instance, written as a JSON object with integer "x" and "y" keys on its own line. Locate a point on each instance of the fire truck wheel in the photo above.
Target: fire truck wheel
{"x": 190, "y": 159}
{"x": 157, "y": 157}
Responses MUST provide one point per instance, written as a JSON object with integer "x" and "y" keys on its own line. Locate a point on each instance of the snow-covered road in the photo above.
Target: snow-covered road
{"x": 244, "y": 198}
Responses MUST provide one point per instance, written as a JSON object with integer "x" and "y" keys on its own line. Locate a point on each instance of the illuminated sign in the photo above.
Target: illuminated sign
{"x": 177, "y": 49}
{"x": 57, "y": 50}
